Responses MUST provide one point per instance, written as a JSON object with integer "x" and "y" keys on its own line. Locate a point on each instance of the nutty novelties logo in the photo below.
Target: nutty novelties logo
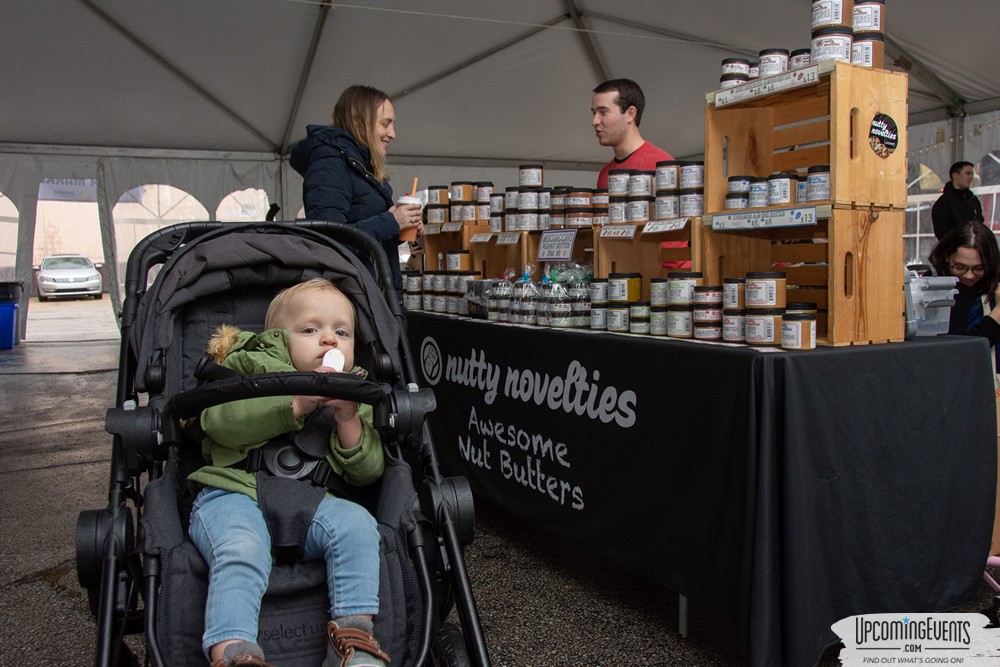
{"x": 917, "y": 639}
{"x": 883, "y": 136}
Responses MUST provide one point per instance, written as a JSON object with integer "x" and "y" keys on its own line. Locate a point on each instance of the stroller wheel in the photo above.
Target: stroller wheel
{"x": 449, "y": 649}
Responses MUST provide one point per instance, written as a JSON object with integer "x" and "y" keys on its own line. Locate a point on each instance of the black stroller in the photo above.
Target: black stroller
{"x": 141, "y": 572}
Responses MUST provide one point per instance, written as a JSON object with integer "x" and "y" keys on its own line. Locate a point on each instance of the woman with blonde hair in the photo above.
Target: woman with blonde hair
{"x": 344, "y": 173}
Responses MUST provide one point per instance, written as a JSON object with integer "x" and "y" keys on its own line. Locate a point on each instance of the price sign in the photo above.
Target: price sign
{"x": 769, "y": 84}
{"x": 556, "y": 245}
{"x": 481, "y": 238}
{"x": 430, "y": 230}
{"x": 658, "y": 226}
{"x": 785, "y": 217}
{"x": 508, "y": 238}
{"x": 618, "y": 231}
{"x": 451, "y": 227}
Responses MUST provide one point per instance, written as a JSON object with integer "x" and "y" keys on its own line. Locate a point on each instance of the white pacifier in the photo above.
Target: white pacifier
{"x": 334, "y": 359}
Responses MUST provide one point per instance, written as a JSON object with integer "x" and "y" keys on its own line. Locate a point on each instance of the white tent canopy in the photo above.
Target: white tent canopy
{"x": 208, "y": 95}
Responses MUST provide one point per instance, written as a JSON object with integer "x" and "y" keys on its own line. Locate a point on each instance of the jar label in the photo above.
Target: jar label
{"x": 640, "y": 185}
{"x": 679, "y": 324}
{"x": 667, "y": 207}
{"x": 530, "y": 178}
{"x": 827, "y": 12}
{"x": 731, "y": 295}
{"x": 692, "y": 206}
{"x": 617, "y": 319}
{"x": 867, "y": 18}
{"x": 666, "y": 178}
{"x": 599, "y": 318}
{"x": 818, "y": 187}
{"x": 618, "y": 184}
{"x": 779, "y": 191}
{"x": 692, "y": 176}
{"x": 760, "y": 329}
{"x": 762, "y": 293}
{"x": 617, "y": 212}
{"x": 733, "y": 328}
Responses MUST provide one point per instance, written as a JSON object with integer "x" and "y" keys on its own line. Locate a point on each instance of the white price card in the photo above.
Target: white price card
{"x": 556, "y": 245}
{"x": 766, "y": 219}
{"x": 451, "y": 227}
{"x": 795, "y": 78}
{"x": 658, "y": 226}
{"x": 618, "y": 231}
{"x": 508, "y": 238}
{"x": 430, "y": 230}
{"x": 481, "y": 238}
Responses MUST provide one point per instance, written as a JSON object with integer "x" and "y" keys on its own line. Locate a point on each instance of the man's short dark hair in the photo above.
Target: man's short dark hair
{"x": 629, "y": 95}
{"x": 958, "y": 167}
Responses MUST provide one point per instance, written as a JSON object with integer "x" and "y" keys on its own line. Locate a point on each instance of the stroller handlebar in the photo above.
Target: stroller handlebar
{"x": 332, "y": 385}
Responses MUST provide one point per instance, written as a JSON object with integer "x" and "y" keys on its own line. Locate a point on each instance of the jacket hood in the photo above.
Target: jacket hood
{"x": 322, "y": 136}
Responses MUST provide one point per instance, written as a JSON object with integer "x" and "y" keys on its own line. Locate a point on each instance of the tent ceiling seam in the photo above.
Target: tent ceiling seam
{"x": 588, "y": 44}
{"x": 915, "y": 67}
{"x": 679, "y": 36}
{"x": 307, "y": 64}
{"x": 175, "y": 70}
{"x": 482, "y": 55}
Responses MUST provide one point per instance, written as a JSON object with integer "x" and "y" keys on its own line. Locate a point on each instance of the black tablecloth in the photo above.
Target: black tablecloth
{"x": 791, "y": 489}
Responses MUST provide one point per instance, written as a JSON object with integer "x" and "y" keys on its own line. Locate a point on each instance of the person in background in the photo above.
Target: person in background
{"x": 617, "y": 111}
{"x": 957, "y": 203}
{"x": 344, "y": 173}
{"x": 970, "y": 253}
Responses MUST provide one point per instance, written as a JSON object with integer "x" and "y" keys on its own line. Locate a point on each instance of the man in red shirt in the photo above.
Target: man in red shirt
{"x": 617, "y": 110}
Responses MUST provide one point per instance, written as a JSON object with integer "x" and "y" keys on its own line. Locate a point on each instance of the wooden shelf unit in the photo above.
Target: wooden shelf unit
{"x": 645, "y": 253}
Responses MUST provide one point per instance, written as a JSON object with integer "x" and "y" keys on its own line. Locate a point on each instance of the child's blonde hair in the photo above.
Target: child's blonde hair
{"x": 277, "y": 311}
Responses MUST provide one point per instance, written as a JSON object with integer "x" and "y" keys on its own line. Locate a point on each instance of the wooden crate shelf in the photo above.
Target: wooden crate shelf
{"x": 444, "y": 242}
{"x": 825, "y": 122}
{"x": 493, "y": 258}
{"x": 850, "y": 264}
{"x": 645, "y": 253}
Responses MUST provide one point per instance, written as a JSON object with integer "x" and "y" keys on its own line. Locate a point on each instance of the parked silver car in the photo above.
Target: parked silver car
{"x": 68, "y": 275}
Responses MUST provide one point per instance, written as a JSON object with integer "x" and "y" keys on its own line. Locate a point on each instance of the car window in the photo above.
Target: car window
{"x": 66, "y": 263}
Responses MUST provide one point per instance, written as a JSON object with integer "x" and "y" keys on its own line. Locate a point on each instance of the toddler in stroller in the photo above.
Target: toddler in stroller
{"x": 305, "y": 324}
{"x": 211, "y": 274}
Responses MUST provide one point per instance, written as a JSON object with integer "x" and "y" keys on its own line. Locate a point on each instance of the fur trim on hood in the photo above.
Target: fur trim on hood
{"x": 222, "y": 343}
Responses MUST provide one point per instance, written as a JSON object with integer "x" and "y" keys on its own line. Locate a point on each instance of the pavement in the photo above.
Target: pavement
{"x": 542, "y": 603}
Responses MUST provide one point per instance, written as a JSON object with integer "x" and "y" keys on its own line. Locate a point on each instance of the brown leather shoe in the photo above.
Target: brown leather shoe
{"x": 355, "y": 648}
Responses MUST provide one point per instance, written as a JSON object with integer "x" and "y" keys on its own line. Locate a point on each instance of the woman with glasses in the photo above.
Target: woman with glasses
{"x": 970, "y": 253}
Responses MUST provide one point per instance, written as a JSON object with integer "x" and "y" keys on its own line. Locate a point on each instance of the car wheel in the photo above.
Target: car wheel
{"x": 99, "y": 296}
{"x": 42, "y": 298}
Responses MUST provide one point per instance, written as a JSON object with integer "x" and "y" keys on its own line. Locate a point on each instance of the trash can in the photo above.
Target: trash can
{"x": 8, "y": 324}
{"x": 10, "y": 292}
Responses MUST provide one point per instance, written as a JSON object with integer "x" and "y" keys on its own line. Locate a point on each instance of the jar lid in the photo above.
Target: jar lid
{"x": 458, "y": 252}
{"x": 640, "y": 198}
{"x": 819, "y": 168}
{"x": 733, "y": 311}
{"x": 669, "y": 163}
{"x": 869, "y": 2}
{"x": 658, "y": 280}
{"x": 799, "y": 317}
{"x": 738, "y": 178}
{"x": 731, "y": 281}
{"x": 708, "y": 288}
{"x": 801, "y": 52}
{"x": 634, "y": 274}
{"x": 678, "y": 308}
{"x": 438, "y": 206}
{"x": 773, "y": 52}
{"x": 662, "y": 192}
{"x": 639, "y": 304}
{"x": 461, "y": 202}
{"x": 479, "y": 183}
{"x": 726, "y": 61}
{"x": 600, "y": 191}
{"x": 800, "y": 305}
{"x": 588, "y": 191}
{"x": 869, "y": 37}
{"x": 531, "y": 166}
{"x": 643, "y": 172}
{"x": 577, "y": 210}
{"x": 765, "y": 274}
{"x": 512, "y": 188}
{"x": 779, "y": 174}
{"x": 598, "y": 280}
{"x": 620, "y": 171}
{"x": 685, "y": 274}
{"x": 832, "y": 30}
{"x": 758, "y": 179}
{"x": 734, "y": 76}
{"x": 766, "y": 312}
{"x": 437, "y": 187}
{"x": 737, "y": 195}
{"x": 461, "y": 182}
{"x": 691, "y": 191}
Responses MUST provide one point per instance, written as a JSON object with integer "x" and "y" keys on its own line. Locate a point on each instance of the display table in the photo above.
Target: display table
{"x": 789, "y": 489}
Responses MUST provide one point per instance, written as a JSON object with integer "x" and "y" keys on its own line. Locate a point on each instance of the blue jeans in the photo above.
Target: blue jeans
{"x": 230, "y": 532}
